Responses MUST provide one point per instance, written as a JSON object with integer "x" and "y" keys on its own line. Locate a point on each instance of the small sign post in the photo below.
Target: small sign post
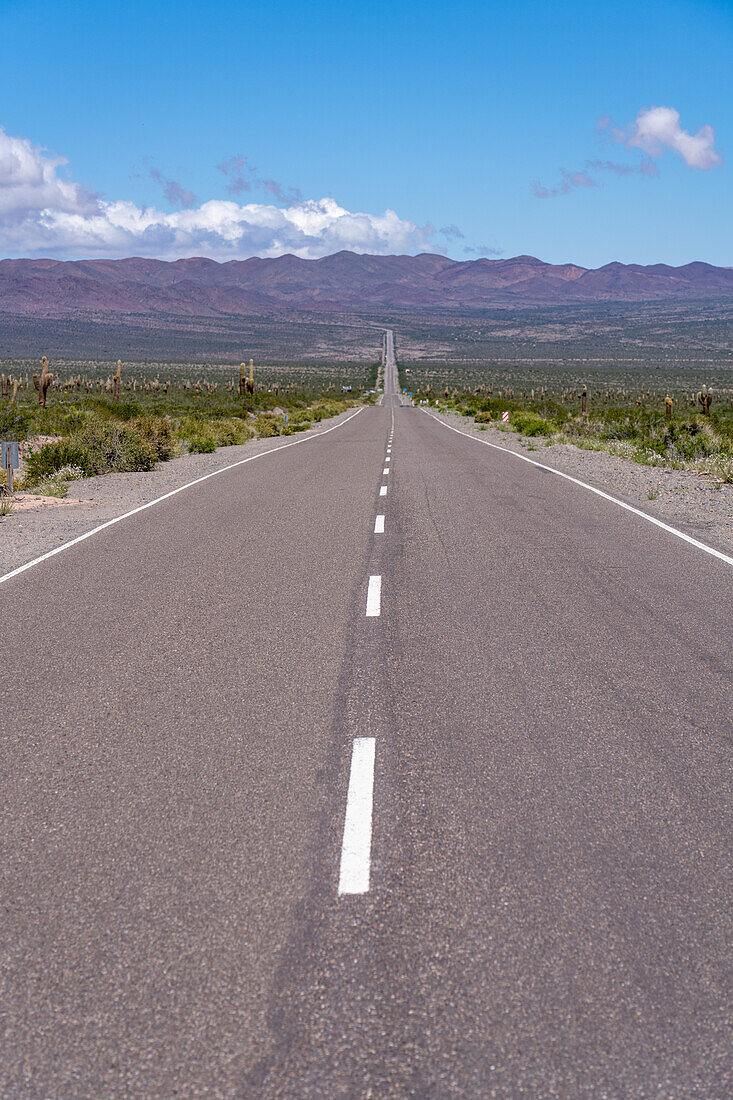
{"x": 10, "y": 460}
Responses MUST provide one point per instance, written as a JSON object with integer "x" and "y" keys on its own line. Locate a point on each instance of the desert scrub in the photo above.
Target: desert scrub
{"x": 93, "y": 432}
{"x": 268, "y": 425}
{"x": 296, "y": 426}
{"x": 15, "y": 423}
{"x": 157, "y": 432}
{"x": 98, "y": 447}
{"x": 197, "y": 431}
{"x": 529, "y": 423}
{"x": 230, "y": 431}
{"x": 719, "y": 466}
{"x": 638, "y": 431}
{"x": 57, "y": 484}
{"x": 201, "y": 445}
{"x": 321, "y": 410}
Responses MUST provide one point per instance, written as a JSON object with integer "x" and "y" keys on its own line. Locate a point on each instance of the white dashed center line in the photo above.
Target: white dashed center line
{"x": 382, "y": 490}
{"x": 379, "y": 525}
{"x": 374, "y": 596}
{"x": 356, "y": 850}
{"x": 385, "y": 470}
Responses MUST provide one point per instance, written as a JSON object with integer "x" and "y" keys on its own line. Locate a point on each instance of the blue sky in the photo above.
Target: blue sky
{"x": 232, "y": 129}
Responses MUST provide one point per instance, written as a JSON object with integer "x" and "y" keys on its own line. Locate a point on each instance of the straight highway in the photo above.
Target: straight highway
{"x": 387, "y": 765}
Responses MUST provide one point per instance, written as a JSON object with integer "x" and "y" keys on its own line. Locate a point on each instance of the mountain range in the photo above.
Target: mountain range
{"x": 344, "y": 281}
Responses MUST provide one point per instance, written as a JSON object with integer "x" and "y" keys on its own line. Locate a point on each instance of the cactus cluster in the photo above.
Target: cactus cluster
{"x": 705, "y": 399}
{"x": 246, "y": 384}
{"x": 9, "y": 388}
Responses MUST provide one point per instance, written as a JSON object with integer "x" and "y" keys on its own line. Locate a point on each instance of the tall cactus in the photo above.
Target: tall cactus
{"x": 42, "y": 384}
{"x": 246, "y": 384}
{"x": 116, "y": 380}
{"x": 705, "y": 399}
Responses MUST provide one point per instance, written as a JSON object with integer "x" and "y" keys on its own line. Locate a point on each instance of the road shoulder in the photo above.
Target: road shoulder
{"x": 699, "y": 506}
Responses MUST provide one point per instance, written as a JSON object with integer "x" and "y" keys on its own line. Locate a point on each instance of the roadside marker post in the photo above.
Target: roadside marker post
{"x": 10, "y": 461}
{"x": 505, "y": 417}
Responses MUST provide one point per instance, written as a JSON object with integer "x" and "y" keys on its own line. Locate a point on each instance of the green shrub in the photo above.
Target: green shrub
{"x": 98, "y": 447}
{"x": 157, "y": 432}
{"x": 322, "y": 410}
{"x": 483, "y": 417}
{"x": 530, "y": 424}
{"x": 51, "y": 458}
{"x": 14, "y": 423}
{"x": 230, "y": 431}
{"x": 201, "y": 445}
{"x": 57, "y": 484}
{"x": 267, "y": 426}
{"x": 112, "y": 447}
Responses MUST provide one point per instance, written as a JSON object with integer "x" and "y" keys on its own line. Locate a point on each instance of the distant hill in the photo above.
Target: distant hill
{"x": 344, "y": 281}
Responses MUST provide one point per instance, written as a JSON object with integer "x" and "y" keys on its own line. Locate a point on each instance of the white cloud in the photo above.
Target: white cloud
{"x": 658, "y": 128}
{"x": 30, "y": 183}
{"x": 41, "y": 213}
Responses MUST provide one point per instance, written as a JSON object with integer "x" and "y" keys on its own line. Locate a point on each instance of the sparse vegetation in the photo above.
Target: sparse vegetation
{"x": 634, "y": 423}
{"x": 124, "y": 422}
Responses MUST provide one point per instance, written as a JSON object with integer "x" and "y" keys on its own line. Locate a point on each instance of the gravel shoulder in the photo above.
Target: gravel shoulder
{"x": 39, "y": 524}
{"x": 697, "y": 505}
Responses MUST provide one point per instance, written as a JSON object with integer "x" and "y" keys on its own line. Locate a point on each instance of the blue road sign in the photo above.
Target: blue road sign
{"x": 10, "y": 456}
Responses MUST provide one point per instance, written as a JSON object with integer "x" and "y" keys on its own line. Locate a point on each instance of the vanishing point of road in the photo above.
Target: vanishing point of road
{"x": 385, "y": 765}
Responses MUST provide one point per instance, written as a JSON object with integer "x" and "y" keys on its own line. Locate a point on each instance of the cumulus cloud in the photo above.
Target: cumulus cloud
{"x": 30, "y": 183}
{"x": 658, "y": 128}
{"x": 654, "y": 130}
{"x": 42, "y": 213}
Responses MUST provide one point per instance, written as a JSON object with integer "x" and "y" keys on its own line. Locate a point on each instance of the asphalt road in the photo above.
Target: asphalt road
{"x": 294, "y": 806}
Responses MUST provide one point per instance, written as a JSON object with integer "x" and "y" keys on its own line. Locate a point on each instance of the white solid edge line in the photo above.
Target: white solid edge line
{"x": 379, "y": 525}
{"x": 382, "y": 490}
{"x": 599, "y": 492}
{"x": 357, "y": 843}
{"x": 374, "y": 596}
{"x": 166, "y": 496}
